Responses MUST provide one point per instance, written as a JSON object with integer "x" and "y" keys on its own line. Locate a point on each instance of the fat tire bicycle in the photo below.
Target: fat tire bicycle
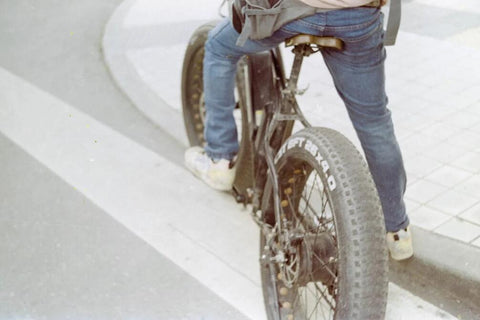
{"x": 322, "y": 233}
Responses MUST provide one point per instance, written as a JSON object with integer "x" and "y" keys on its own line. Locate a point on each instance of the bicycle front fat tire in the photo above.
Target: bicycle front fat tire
{"x": 337, "y": 268}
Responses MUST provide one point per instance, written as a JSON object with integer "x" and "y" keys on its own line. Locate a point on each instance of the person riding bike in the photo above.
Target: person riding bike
{"x": 359, "y": 77}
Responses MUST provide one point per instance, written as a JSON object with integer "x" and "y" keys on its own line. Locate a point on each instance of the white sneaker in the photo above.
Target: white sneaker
{"x": 218, "y": 174}
{"x": 400, "y": 244}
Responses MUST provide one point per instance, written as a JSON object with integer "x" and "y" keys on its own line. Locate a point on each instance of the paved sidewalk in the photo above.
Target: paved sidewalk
{"x": 433, "y": 82}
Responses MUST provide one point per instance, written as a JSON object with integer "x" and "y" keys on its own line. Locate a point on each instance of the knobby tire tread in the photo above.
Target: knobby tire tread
{"x": 363, "y": 267}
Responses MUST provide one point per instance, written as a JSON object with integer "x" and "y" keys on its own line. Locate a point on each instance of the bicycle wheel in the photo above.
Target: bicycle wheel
{"x": 194, "y": 113}
{"x": 331, "y": 260}
{"x": 193, "y": 105}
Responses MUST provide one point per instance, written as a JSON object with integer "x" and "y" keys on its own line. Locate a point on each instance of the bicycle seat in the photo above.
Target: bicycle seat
{"x": 324, "y": 42}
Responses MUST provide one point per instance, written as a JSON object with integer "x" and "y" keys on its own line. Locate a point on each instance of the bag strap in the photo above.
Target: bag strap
{"x": 394, "y": 17}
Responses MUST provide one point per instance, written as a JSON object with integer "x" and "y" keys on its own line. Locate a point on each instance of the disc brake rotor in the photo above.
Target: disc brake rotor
{"x": 310, "y": 259}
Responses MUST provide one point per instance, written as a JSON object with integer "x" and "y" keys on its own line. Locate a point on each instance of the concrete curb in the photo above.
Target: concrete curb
{"x": 444, "y": 272}
{"x": 129, "y": 81}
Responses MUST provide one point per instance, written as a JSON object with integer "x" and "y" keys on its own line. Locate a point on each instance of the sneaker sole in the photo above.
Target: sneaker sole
{"x": 402, "y": 256}
{"x": 208, "y": 182}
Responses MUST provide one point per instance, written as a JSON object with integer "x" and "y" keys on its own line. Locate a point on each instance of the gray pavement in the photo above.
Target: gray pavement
{"x": 433, "y": 80}
{"x": 61, "y": 255}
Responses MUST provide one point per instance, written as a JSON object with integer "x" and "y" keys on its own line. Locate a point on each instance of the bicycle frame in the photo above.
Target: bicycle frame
{"x": 274, "y": 101}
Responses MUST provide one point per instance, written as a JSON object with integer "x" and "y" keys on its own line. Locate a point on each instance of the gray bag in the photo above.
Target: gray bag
{"x": 261, "y": 18}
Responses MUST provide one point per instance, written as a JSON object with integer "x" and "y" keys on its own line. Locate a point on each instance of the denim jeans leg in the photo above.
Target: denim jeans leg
{"x": 219, "y": 68}
{"x": 358, "y": 74}
{"x": 359, "y": 77}
{"x": 218, "y": 85}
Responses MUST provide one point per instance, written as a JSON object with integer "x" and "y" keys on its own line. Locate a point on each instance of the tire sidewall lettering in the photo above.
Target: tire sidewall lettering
{"x": 313, "y": 149}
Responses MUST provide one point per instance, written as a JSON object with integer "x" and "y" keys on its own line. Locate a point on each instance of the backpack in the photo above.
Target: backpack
{"x": 259, "y": 19}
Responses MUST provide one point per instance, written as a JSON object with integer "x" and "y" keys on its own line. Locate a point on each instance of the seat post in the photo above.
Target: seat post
{"x": 300, "y": 51}
{"x": 302, "y": 47}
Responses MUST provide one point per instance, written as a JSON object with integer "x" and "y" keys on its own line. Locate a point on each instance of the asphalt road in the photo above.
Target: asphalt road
{"x": 56, "y": 45}
{"x": 61, "y": 256}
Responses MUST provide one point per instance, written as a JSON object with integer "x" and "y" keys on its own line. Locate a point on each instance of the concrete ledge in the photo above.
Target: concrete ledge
{"x": 443, "y": 271}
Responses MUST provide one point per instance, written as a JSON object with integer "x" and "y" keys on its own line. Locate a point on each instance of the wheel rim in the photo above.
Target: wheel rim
{"x": 196, "y": 98}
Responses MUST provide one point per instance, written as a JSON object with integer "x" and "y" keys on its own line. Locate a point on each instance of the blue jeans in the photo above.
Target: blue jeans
{"x": 359, "y": 77}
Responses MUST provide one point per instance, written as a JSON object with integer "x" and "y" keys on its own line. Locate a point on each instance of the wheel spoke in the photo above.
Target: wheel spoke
{"x": 318, "y": 300}
{"x": 318, "y": 295}
{"x": 312, "y": 300}
{"x": 307, "y": 200}
{"x": 325, "y": 265}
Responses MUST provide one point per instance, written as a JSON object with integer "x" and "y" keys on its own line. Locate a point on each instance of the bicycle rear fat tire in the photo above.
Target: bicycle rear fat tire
{"x": 357, "y": 281}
